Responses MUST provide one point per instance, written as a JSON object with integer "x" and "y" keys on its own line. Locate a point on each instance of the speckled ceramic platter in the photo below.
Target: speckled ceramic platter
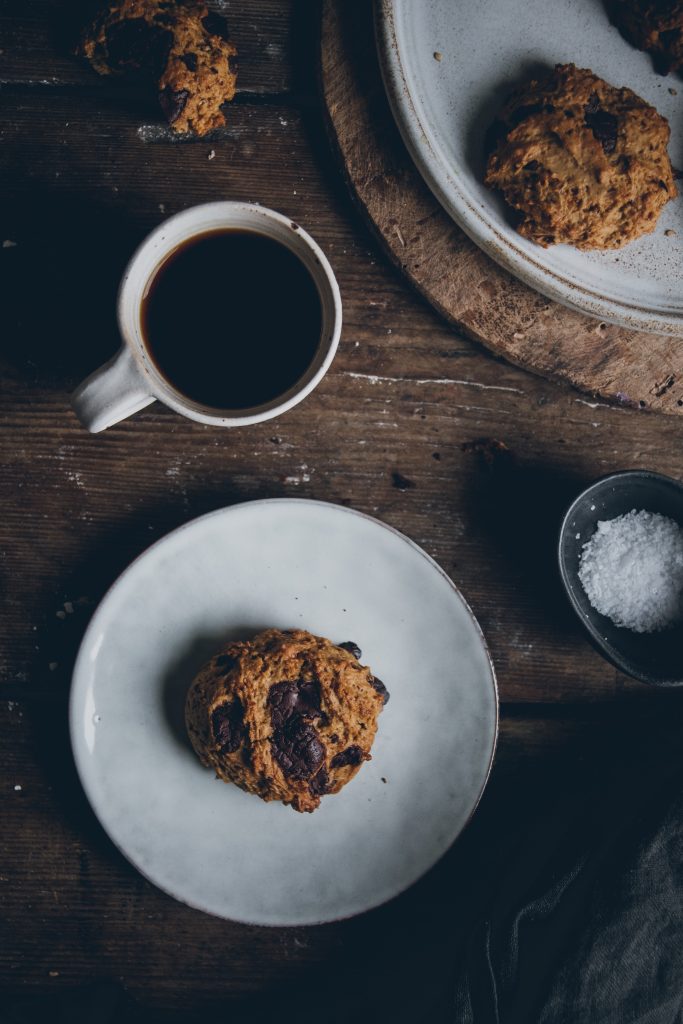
{"x": 443, "y": 108}
{"x": 230, "y": 574}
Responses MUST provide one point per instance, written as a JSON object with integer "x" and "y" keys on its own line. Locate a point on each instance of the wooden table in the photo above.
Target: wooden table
{"x": 400, "y": 428}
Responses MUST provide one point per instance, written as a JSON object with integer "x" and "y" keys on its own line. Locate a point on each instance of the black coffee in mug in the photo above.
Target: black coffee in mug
{"x": 232, "y": 319}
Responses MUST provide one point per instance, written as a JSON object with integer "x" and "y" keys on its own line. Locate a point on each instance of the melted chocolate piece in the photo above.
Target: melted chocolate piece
{"x": 299, "y": 697}
{"x": 297, "y": 749}
{"x": 352, "y": 648}
{"x": 173, "y": 103}
{"x": 227, "y": 725}
{"x": 379, "y": 686}
{"x": 352, "y": 755}
{"x": 189, "y": 60}
{"x": 295, "y": 743}
{"x": 318, "y": 784}
{"x": 601, "y": 123}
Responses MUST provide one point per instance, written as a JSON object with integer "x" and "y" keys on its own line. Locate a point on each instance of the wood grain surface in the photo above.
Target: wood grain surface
{"x": 466, "y": 286}
{"x": 399, "y": 429}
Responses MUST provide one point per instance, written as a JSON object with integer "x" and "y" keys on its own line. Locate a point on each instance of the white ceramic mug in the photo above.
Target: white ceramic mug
{"x": 130, "y": 381}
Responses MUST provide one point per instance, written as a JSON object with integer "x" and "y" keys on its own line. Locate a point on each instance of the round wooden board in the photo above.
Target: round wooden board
{"x": 465, "y": 286}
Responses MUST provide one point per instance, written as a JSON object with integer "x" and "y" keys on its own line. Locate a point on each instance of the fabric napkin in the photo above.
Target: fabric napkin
{"x": 587, "y": 923}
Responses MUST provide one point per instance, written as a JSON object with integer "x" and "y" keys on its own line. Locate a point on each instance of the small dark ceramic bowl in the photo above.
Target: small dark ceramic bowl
{"x": 655, "y": 658}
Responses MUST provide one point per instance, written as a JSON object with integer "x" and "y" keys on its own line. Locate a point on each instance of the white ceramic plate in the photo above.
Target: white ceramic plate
{"x": 443, "y": 109}
{"x": 229, "y": 574}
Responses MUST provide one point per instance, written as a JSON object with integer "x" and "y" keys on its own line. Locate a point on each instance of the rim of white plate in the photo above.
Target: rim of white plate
{"x": 77, "y": 686}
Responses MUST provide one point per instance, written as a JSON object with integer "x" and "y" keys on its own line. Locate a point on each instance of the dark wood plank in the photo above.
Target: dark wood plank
{"x": 38, "y": 37}
{"x": 405, "y": 396}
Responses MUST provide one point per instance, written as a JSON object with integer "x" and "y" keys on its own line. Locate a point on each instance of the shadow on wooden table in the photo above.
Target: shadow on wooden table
{"x": 100, "y": 564}
{"x": 516, "y": 507}
{"x": 60, "y": 281}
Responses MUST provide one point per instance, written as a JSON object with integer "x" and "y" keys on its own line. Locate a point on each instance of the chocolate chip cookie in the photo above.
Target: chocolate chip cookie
{"x": 180, "y": 44}
{"x": 580, "y": 161}
{"x": 655, "y": 26}
{"x": 287, "y": 715}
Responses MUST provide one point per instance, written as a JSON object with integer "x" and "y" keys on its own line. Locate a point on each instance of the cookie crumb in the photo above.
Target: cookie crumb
{"x": 17, "y": 789}
{"x": 674, "y": 92}
{"x": 61, "y": 614}
{"x": 9, "y": 244}
{"x": 183, "y": 44}
{"x": 212, "y": 154}
{"x": 383, "y": 779}
{"x": 401, "y": 482}
{"x": 669, "y": 232}
{"x": 53, "y": 974}
{"x": 68, "y": 607}
{"x": 52, "y": 666}
{"x": 438, "y": 56}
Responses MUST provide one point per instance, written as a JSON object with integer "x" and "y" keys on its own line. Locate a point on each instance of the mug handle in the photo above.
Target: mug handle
{"x": 110, "y": 394}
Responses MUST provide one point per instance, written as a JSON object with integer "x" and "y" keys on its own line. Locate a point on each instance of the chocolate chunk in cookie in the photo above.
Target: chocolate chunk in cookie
{"x": 603, "y": 124}
{"x": 318, "y": 784}
{"x": 381, "y": 689}
{"x": 296, "y": 697}
{"x": 173, "y": 103}
{"x": 297, "y": 749}
{"x": 227, "y": 723}
{"x": 354, "y": 649}
{"x": 352, "y": 755}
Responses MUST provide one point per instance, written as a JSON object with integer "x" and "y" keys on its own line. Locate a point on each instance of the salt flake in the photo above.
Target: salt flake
{"x": 632, "y": 571}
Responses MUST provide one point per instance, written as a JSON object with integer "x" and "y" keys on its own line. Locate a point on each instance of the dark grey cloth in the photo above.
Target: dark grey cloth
{"x": 587, "y": 927}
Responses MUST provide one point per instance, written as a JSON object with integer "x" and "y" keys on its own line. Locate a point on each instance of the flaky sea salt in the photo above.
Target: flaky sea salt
{"x": 632, "y": 571}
